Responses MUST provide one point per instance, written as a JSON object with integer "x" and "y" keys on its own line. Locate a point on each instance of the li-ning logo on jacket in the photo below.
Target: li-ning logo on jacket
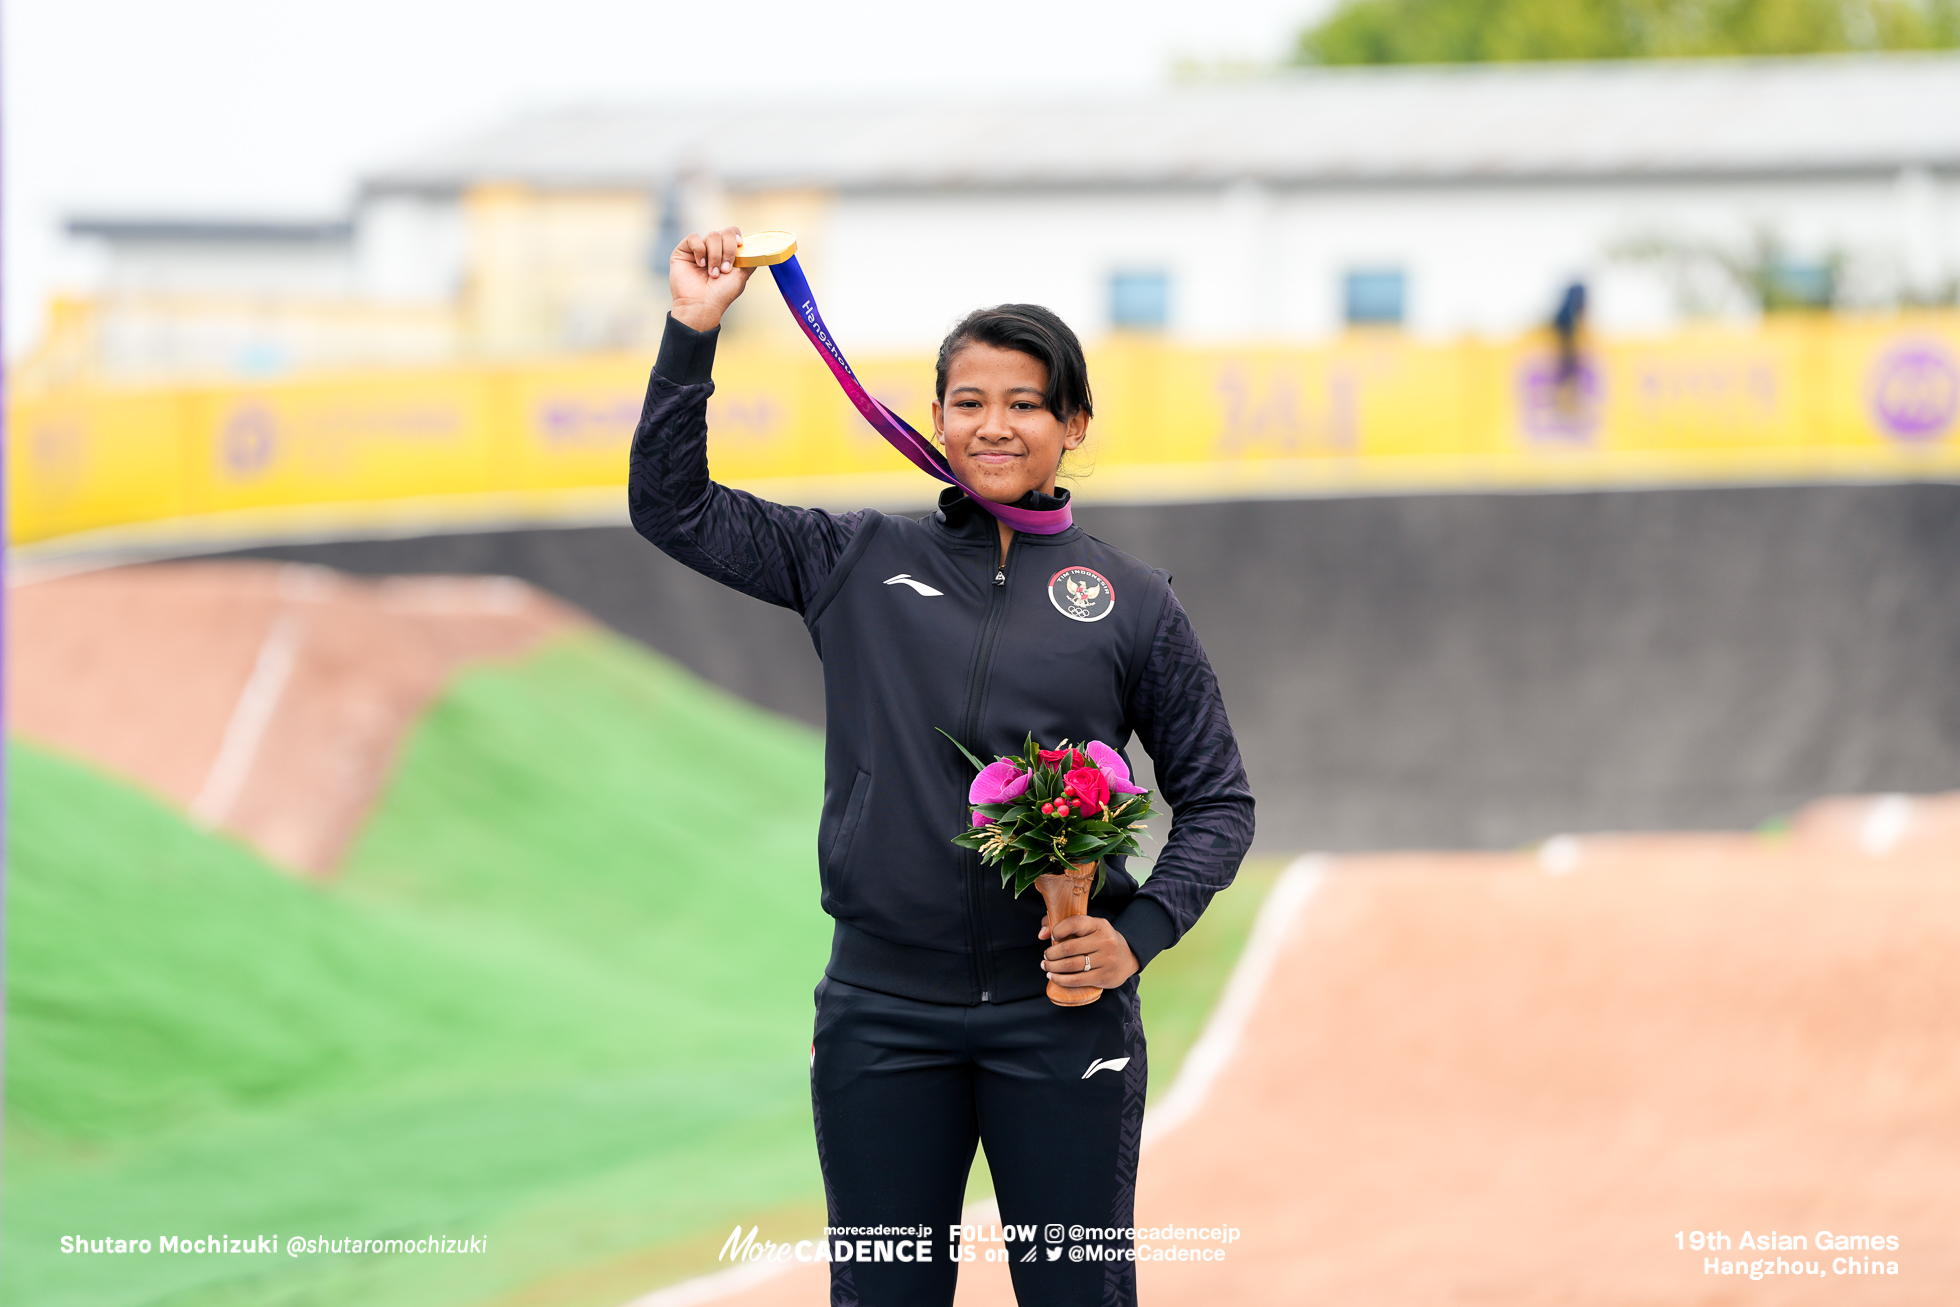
{"x": 905, "y": 578}
{"x": 1114, "y": 1064}
{"x": 1081, "y": 593}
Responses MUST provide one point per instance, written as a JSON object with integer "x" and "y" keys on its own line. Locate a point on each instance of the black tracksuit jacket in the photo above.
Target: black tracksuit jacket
{"x": 990, "y": 654}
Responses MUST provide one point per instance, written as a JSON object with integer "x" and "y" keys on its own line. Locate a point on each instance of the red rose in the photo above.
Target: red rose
{"x": 1091, "y": 788}
{"x": 1073, "y": 757}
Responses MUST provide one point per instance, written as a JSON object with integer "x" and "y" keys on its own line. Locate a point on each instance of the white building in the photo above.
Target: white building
{"x": 1445, "y": 200}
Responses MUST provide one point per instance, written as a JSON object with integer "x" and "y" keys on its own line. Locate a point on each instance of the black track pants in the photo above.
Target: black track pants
{"x": 903, "y": 1089}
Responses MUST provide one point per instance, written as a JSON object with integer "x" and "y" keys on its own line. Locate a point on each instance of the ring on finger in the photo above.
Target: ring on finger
{"x": 1088, "y": 964}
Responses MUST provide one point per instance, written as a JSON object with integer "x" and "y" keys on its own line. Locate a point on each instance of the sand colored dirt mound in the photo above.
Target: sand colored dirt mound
{"x": 1513, "y": 1079}
{"x": 267, "y": 699}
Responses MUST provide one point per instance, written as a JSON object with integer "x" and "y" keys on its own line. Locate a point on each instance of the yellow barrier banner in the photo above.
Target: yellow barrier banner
{"x": 85, "y": 462}
{"x": 330, "y": 440}
{"x": 1798, "y": 398}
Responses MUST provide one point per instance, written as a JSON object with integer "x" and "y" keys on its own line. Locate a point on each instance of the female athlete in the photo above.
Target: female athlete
{"x": 932, "y": 1029}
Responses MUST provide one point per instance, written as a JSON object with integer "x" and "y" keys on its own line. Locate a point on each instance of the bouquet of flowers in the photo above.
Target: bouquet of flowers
{"x": 1051, "y": 811}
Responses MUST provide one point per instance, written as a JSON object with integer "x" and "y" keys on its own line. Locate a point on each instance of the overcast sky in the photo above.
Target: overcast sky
{"x": 275, "y": 106}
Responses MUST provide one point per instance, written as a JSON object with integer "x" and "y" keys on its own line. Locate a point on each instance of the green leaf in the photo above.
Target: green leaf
{"x": 977, "y": 764}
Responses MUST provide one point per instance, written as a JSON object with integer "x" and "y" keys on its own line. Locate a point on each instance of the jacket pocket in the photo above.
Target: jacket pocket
{"x": 838, "y": 856}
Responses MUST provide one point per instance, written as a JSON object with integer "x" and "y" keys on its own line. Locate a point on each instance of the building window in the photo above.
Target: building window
{"x": 1375, "y": 297}
{"x": 1139, "y": 301}
{"x": 1789, "y": 284}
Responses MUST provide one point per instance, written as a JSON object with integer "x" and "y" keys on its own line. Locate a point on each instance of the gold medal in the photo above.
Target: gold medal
{"x": 759, "y": 249}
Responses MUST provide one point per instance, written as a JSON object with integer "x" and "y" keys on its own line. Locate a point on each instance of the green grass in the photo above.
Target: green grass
{"x": 559, "y": 996}
{"x": 1181, "y": 987}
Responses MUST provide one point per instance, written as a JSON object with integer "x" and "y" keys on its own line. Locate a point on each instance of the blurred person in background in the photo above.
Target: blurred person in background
{"x": 1567, "y": 324}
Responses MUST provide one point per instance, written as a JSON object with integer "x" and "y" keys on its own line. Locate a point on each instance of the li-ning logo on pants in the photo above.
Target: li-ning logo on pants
{"x": 1114, "y": 1064}
{"x": 905, "y": 578}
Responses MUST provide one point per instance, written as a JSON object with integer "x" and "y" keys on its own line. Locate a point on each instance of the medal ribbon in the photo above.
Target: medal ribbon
{"x": 896, "y": 430}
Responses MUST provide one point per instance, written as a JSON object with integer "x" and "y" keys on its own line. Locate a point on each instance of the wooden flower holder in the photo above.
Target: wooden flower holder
{"x": 1067, "y": 895}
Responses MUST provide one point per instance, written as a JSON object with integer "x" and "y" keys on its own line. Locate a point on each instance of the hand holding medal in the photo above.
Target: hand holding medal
{"x": 707, "y": 273}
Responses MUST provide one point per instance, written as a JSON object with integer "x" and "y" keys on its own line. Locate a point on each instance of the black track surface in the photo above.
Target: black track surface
{"x": 1457, "y": 670}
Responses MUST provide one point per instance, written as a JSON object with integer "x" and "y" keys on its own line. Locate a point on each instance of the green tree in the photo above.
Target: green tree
{"x": 1477, "y": 31}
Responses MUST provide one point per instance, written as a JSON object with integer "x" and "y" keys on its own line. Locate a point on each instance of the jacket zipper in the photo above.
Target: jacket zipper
{"x": 975, "y": 692}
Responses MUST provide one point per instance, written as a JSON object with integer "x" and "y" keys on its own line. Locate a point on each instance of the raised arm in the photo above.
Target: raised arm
{"x": 773, "y": 552}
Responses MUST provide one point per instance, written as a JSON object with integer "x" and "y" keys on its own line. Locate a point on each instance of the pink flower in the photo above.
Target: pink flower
{"x": 998, "y": 782}
{"x": 1112, "y": 766}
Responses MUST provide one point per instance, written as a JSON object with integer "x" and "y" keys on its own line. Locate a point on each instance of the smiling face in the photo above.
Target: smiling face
{"x": 994, "y": 422}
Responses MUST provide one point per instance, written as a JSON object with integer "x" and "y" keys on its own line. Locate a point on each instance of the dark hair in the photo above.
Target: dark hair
{"x": 1036, "y": 332}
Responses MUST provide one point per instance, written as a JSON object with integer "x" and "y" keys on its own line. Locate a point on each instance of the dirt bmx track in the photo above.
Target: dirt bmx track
{"x": 1468, "y": 1078}
{"x": 1511, "y": 1079}
{"x": 1454, "y": 671}
{"x": 267, "y": 699}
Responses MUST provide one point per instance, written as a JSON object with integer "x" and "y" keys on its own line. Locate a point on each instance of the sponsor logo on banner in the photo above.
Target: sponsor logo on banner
{"x": 1560, "y": 409}
{"x": 1915, "y": 392}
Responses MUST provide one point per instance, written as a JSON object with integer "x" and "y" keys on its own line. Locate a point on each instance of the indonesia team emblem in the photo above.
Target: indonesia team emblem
{"x": 1081, "y": 593}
